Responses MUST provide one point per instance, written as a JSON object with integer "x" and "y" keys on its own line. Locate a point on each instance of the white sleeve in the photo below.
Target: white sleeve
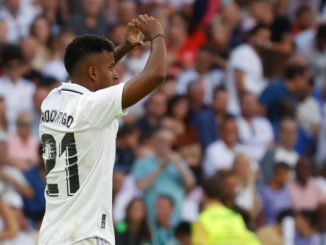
{"x": 240, "y": 60}
{"x": 103, "y": 106}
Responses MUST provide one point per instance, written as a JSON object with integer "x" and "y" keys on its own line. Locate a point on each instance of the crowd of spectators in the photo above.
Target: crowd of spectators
{"x": 231, "y": 149}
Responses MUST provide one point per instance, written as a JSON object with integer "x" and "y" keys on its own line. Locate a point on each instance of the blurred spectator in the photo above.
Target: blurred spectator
{"x": 124, "y": 191}
{"x": 163, "y": 231}
{"x": 13, "y": 86}
{"x": 306, "y": 232}
{"x": 275, "y": 234}
{"x": 3, "y": 118}
{"x": 164, "y": 173}
{"x": 218, "y": 36}
{"x": 55, "y": 67}
{"x": 291, "y": 7}
{"x": 280, "y": 97}
{"x": 182, "y": 234}
{"x": 155, "y": 110}
{"x": 127, "y": 11}
{"x": 245, "y": 69}
{"x": 202, "y": 72}
{"x": 4, "y": 31}
{"x": 283, "y": 151}
{"x": 9, "y": 225}
{"x": 135, "y": 229}
{"x": 247, "y": 197}
{"x": 41, "y": 31}
{"x": 276, "y": 189}
{"x": 321, "y": 179}
{"x": 216, "y": 223}
{"x": 176, "y": 43}
{"x": 177, "y": 120}
{"x": 196, "y": 96}
{"x": 304, "y": 19}
{"x": 221, "y": 153}
{"x": 23, "y": 147}
{"x": 40, "y": 94}
{"x": 304, "y": 189}
{"x": 127, "y": 142}
{"x": 90, "y": 20}
{"x": 18, "y": 17}
{"x": 255, "y": 132}
{"x": 12, "y": 179}
{"x": 308, "y": 113}
{"x": 26, "y": 234}
{"x": 208, "y": 122}
{"x": 231, "y": 17}
{"x": 311, "y": 44}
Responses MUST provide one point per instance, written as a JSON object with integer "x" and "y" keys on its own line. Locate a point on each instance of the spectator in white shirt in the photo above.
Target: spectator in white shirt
{"x": 17, "y": 91}
{"x": 308, "y": 112}
{"x": 283, "y": 152}
{"x": 221, "y": 154}
{"x": 55, "y": 67}
{"x": 18, "y": 17}
{"x": 312, "y": 45}
{"x": 245, "y": 68}
{"x": 201, "y": 72}
{"x": 255, "y": 132}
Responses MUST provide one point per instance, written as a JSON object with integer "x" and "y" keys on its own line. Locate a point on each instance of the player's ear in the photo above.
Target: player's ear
{"x": 92, "y": 73}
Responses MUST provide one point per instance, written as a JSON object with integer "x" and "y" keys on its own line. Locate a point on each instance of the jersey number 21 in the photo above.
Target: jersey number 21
{"x": 67, "y": 146}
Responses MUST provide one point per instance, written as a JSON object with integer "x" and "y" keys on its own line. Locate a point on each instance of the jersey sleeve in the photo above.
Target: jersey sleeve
{"x": 103, "y": 106}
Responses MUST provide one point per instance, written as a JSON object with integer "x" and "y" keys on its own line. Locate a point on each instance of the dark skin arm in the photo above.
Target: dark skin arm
{"x": 155, "y": 70}
{"x": 132, "y": 40}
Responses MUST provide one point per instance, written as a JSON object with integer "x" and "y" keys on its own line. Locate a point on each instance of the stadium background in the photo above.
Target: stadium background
{"x": 244, "y": 101}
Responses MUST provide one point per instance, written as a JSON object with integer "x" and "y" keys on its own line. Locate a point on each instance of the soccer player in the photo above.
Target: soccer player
{"x": 78, "y": 132}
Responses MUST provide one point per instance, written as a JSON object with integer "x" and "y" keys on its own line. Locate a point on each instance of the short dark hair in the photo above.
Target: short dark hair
{"x": 212, "y": 187}
{"x": 294, "y": 70}
{"x": 183, "y": 228}
{"x": 219, "y": 89}
{"x": 284, "y": 214}
{"x": 309, "y": 215}
{"x": 10, "y": 52}
{"x": 82, "y": 46}
{"x": 280, "y": 166}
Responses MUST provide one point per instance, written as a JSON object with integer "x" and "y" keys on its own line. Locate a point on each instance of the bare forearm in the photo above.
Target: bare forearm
{"x": 121, "y": 51}
{"x": 10, "y": 222}
{"x": 150, "y": 78}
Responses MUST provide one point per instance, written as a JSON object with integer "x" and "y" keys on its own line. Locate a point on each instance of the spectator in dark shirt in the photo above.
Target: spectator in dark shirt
{"x": 155, "y": 107}
{"x": 208, "y": 122}
{"x": 280, "y": 96}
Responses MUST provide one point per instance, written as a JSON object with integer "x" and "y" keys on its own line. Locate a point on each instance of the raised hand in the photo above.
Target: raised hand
{"x": 149, "y": 26}
{"x": 133, "y": 36}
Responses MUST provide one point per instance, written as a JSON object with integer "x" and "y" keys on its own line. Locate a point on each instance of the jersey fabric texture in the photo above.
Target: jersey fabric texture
{"x": 78, "y": 133}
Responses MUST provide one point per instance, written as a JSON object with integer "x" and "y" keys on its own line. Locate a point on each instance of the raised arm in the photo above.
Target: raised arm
{"x": 132, "y": 40}
{"x": 155, "y": 70}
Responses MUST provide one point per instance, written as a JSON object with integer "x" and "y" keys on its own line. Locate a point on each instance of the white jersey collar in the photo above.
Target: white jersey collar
{"x": 74, "y": 87}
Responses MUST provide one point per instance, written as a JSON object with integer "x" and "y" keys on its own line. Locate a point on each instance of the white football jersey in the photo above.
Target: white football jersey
{"x": 78, "y": 133}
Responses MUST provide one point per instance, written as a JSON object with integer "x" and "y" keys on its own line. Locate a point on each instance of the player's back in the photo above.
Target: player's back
{"x": 78, "y": 132}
